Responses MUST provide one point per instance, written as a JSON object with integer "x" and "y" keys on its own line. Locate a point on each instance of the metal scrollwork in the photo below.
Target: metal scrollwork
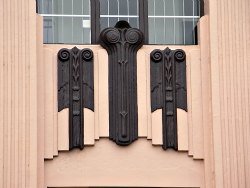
{"x": 168, "y": 90}
{"x": 122, "y": 43}
{"x": 75, "y": 90}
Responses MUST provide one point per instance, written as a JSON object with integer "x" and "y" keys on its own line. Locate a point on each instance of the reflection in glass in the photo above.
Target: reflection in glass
{"x": 112, "y": 11}
{"x": 173, "y": 21}
{"x": 169, "y": 21}
{"x": 66, "y": 21}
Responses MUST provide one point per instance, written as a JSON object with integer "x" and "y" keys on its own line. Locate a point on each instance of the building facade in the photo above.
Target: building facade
{"x": 212, "y": 133}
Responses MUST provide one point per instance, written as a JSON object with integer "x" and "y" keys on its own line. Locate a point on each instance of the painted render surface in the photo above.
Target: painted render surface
{"x": 213, "y": 134}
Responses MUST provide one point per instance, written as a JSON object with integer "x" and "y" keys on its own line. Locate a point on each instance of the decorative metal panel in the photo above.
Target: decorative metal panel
{"x": 122, "y": 43}
{"x": 75, "y": 90}
{"x": 168, "y": 90}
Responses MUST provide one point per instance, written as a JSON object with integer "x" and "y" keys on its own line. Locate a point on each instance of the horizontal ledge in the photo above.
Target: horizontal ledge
{"x": 174, "y": 16}
{"x": 119, "y": 16}
{"x": 64, "y": 15}
{"x": 114, "y": 16}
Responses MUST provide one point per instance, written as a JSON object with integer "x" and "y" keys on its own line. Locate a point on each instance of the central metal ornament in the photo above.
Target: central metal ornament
{"x": 122, "y": 43}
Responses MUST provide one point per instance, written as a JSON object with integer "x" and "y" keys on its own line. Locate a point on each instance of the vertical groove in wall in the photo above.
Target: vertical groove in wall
{"x": 247, "y": 81}
{"x": 32, "y": 69}
{"x": 22, "y": 92}
{"x": 40, "y": 105}
{"x": 15, "y": 85}
{"x": 8, "y": 101}
{"x": 206, "y": 107}
{"x": 246, "y": 67}
{"x": 1, "y": 95}
{"x": 55, "y": 110}
{"x": 96, "y": 97}
{"x": 226, "y": 110}
{"x": 240, "y": 54}
{"x": 20, "y": 104}
{"x": 244, "y": 100}
{"x": 48, "y": 101}
{"x": 233, "y": 131}
{"x": 233, "y": 59}
{"x": 27, "y": 96}
{"x": 226, "y": 88}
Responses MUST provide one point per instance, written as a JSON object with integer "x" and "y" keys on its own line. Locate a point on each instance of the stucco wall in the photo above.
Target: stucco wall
{"x": 229, "y": 41}
{"x": 224, "y": 44}
{"x": 18, "y": 96}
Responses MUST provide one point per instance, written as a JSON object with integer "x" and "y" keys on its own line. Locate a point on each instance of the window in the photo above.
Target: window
{"x": 80, "y": 21}
{"x": 66, "y": 21}
{"x": 112, "y": 11}
{"x": 173, "y": 21}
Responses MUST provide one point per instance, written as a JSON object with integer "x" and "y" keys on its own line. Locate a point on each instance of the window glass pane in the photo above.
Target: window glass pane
{"x": 58, "y": 30}
{"x": 39, "y": 5}
{"x": 113, "y": 7}
{"x": 159, "y": 25}
{"x": 151, "y": 7}
{"x": 77, "y": 7}
{"x": 104, "y": 22}
{"x": 173, "y": 21}
{"x": 67, "y": 7}
{"x": 78, "y": 31}
{"x": 57, "y": 7}
{"x": 86, "y": 7}
{"x": 189, "y": 29}
{"x": 104, "y": 7}
{"x": 112, "y": 22}
{"x": 133, "y": 7}
{"x": 67, "y": 30}
{"x": 169, "y": 10}
{"x": 164, "y": 27}
{"x": 47, "y": 30}
{"x": 188, "y": 4}
{"x": 66, "y": 21}
{"x": 159, "y": 8}
{"x": 123, "y": 7}
{"x": 134, "y": 22}
{"x": 196, "y": 8}
{"x": 179, "y": 31}
{"x": 112, "y": 11}
{"x": 47, "y": 7}
{"x": 151, "y": 31}
{"x": 178, "y": 7}
{"x": 169, "y": 30}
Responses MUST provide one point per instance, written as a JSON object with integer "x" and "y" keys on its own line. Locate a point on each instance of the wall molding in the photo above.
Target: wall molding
{"x": 168, "y": 90}
{"x": 122, "y": 43}
{"x": 75, "y": 90}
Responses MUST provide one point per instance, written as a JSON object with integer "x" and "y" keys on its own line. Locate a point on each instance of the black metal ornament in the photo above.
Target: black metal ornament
{"x": 122, "y": 43}
{"x": 168, "y": 90}
{"x": 75, "y": 90}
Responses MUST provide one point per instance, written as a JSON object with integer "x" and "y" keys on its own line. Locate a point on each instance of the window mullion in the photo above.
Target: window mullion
{"x": 143, "y": 18}
{"x": 95, "y": 21}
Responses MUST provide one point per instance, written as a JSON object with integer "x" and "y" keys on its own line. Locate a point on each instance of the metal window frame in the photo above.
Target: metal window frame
{"x": 95, "y": 19}
{"x": 143, "y": 18}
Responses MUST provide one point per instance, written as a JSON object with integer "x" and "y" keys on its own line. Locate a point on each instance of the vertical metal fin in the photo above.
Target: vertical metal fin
{"x": 75, "y": 90}
{"x": 168, "y": 90}
{"x": 122, "y": 43}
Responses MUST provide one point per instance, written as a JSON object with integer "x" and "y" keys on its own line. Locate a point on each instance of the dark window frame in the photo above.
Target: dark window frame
{"x": 143, "y": 19}
{"x": 95, "y": 19}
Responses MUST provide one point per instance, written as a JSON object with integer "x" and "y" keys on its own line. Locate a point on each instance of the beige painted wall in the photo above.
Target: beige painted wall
{"x": 190, "y": 125}
{"x": 190, "y": 129}
{"x": 18, "y": 94}
{"x": 139, "y": 164}
{"x": 230, "y": 87}
{"x": 217, "y": 125}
